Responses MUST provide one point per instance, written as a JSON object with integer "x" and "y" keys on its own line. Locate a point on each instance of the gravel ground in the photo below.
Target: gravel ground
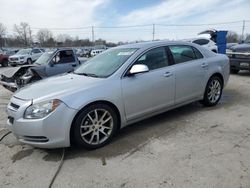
{"x": 191, "y": 146}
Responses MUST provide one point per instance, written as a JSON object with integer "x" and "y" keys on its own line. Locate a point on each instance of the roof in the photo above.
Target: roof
{"x": 152, "y": 44}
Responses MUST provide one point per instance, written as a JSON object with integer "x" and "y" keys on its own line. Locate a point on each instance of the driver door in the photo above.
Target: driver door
{"x": 64, "y": 61}
{"x": 149, "y": 92}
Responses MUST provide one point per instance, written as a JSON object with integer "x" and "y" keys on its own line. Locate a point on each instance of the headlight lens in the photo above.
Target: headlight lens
{"x": 21, "y": 57}
{"x": 40, "y": 110}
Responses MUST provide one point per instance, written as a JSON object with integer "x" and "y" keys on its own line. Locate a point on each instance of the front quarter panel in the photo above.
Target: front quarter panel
{"x": 109, "y": 91}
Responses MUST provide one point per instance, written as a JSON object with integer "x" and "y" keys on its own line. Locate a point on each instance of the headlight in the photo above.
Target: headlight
{"x": 229, "y": 52}
{"x": 21, "y": 57}
{"x": 40, "y": 110}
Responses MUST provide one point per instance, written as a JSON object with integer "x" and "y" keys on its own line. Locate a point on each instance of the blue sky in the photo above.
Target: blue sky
{"x": 99, "y": 13}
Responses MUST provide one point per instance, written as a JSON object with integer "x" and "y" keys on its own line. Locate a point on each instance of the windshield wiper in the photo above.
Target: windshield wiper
{"x": 88, "y": 74}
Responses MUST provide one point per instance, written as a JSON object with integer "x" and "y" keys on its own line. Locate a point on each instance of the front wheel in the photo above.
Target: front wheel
{"x": 213, "y": 91}
{"x": 5, "y": 63}
{"x": 29, "y": 61}
{"x": 95, "y": 126}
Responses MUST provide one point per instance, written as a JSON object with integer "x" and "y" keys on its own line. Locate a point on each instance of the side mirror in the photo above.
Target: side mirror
{"x": 139, "y": 68}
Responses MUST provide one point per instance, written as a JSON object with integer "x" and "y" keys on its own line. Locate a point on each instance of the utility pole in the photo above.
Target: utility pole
{"x": 93, "y": 35}
{"x": 153, "y": 32}
{"x": 243, "y": 29}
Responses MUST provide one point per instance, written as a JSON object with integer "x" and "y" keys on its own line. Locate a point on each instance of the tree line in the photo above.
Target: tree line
{"x": 23, "y": 37}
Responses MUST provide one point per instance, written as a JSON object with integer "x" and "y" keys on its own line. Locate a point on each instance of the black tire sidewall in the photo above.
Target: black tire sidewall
{"x": 29, "y": 61}
{"x": 206, "y": 101}
{"x": 76, "y": 126}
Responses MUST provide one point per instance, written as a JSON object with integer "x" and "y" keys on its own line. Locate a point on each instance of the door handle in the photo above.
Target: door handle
{"x": 168, "y": 74}
{"x": 203, "y": 65}
{"x": 73, "y": 65}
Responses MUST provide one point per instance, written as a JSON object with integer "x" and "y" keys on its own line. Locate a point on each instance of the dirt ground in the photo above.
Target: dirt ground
{"x": 192, "y": 147}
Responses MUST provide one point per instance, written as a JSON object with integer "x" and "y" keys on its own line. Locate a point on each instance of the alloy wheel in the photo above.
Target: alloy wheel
{"x": 214, "y": 91}
{"x": 96, "y": 127}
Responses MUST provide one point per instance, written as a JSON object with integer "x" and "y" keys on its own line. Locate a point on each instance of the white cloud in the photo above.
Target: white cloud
{"x": 50, "y": 14}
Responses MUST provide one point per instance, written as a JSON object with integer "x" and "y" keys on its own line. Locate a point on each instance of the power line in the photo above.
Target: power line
{"x": 143, "y": 25}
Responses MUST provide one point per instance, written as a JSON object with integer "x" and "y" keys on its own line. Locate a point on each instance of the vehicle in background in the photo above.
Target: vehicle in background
{"x": 25, "y": 56}
{"x": 95, "y": 52}
{"x": 118, "y": 87}
{"x": 3, "y": 59}
{"x": 207, "y": 43}
{"x": 49, "y": 64}
{"x": 82, "y": 52}
{"x": 231, "y": 44}
{"x": 239, "y": 56}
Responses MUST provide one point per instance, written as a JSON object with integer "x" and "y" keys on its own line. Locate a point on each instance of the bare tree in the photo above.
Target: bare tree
{"x": 232, "y": 37}
{"x": 43, "y": 36}
{"x": 24, "y": 33}
{"x": 2, "y": 33}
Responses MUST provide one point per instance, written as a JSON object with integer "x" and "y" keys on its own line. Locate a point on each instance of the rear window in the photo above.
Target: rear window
{"x": 183, "y": 53}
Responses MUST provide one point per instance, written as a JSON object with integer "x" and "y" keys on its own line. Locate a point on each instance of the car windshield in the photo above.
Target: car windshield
{"x": 44, "y": 59}
{"x": 106, "y": 63}
{"x": 247, "y": 39}
{"x": 23, "y": 52}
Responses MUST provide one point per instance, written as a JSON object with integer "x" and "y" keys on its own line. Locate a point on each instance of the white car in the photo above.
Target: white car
{"x": 95, "y": 52}
{"x": 24, "y": 56}
{"x": 207, "y": 43}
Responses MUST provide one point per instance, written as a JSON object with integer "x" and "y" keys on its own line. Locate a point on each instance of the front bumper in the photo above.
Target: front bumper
{"x": 52, "y": 131}
{"x": 240, "y": 63}
{"x": 18, "y": 62}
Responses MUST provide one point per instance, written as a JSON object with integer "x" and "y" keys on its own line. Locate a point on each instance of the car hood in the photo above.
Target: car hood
{"x": 17, "y": 56}
{"x": 241, "y": 47}
{"x": 56, "y": 86}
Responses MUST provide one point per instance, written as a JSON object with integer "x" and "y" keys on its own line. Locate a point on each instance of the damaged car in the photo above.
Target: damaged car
{"x": 49, "y": 64}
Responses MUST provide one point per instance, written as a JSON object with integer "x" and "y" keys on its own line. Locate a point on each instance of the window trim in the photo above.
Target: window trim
{"x": 192, "y": 47}
{"x": 170, "y": 61}
{"x": 63, "y": 63}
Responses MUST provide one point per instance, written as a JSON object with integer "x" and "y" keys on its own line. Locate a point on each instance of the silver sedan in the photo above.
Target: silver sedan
{"x": 118, "y": 87}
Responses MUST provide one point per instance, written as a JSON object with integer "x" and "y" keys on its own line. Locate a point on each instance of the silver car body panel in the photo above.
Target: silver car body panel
{"x": 136, "y": 97}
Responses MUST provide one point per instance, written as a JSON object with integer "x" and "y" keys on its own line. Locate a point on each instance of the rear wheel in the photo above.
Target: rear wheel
{"x": 213, "y": 91}
{"x": 95, "y": 126}
{"x": 234, "y": 71}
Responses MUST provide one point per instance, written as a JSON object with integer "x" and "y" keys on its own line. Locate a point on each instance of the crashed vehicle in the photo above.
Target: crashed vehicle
{"x": 239, "y": 56}
{"x": 49, "y": 64}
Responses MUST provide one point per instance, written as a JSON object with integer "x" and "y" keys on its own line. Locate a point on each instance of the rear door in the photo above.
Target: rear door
{"x": 63, "y": 61}
{"x": 149, "y": 92}
{"x": 190, "y": 70}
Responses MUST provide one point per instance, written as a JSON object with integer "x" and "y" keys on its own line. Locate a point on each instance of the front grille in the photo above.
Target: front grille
{"x": 242, "y": 56}
{"x": 13, "y": 59}
{"x": 15, "y": 106}
{"x": 35, "y": 138}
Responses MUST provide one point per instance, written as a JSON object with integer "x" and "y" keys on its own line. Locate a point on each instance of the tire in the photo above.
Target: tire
{"x": 5, "y": 63}
{"x": 234, "y": 71}
{"x": 29, "y": 61}
{"x": 213, "y": 91}
{"x": 91, "y": 132}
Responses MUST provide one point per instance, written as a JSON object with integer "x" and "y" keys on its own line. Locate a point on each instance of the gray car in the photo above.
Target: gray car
{"x": 116, "y": 88}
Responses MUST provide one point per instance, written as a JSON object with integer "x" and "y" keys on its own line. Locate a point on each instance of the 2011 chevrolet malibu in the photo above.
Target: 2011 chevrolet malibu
{"x": 116, "y": 88}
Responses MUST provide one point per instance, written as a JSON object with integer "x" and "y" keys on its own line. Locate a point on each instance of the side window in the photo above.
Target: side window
{"x": 154, "y": 59}
{"x": 197, "y": 54}
{"x": 64, "y": 57}
{"x": 182, "y": 53}
{"x": 36, "y": 51}
{"x": 201, "y": 41}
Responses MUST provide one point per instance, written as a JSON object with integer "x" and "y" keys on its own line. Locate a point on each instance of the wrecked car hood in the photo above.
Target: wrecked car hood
{"x": 11, "y": 71}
